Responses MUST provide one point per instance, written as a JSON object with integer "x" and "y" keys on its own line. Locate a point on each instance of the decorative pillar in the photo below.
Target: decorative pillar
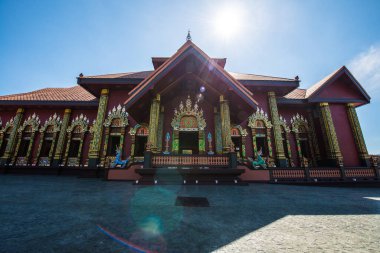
{"x": 358, "y": 135}
{"x": 218, "y": 132}
{"x": 226, "y": 124}
{"x": 280, "y": 154}
{"x": 313, "y": 137}
{"x": 202, "y": 142}
{"x": 175, "y": 142}
{"x": 12, "y": 137}
{"x": 160, "y": 129}
{"x": 98, "y": 129}
{"x": 334, "y": 156}
{"x": 153, "y": 122}
{"x": 61, "y": 138}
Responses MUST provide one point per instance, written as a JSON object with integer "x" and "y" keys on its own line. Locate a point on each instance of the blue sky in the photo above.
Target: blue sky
{"x": 48, "y": 43}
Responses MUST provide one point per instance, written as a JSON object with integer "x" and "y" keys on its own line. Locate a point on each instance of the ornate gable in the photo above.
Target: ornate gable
{"x": 117, "y": 113}
{"x": 81, "y": 121}
{"x": 33, "y": 121}
{"x": 188, "y": 117}
{"x": 259, "y": 115}
{"x": 297, "y": 121}
{"x": 54, "y": 121}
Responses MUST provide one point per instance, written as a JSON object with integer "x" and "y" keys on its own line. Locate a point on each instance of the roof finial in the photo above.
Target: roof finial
{"x": 188, "y": 37}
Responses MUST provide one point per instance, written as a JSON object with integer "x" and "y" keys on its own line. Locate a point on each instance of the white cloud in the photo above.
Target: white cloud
{"x": 366, "y": 68}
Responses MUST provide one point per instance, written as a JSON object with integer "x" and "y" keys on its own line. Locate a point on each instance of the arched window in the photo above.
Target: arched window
{"x": 238, "y": 135}
{"x": 139, "y": 135}
{"x": 261, "y": 133}
{"x": 5, "y": 133}
{"x": 26, "y": 136}
{"x": 75, "y": 137}
{"x": 302, "y": 134}
{"x": 48, "y": 137}
{"x": 115, "y": 126}
{"x": 285, "y": 130}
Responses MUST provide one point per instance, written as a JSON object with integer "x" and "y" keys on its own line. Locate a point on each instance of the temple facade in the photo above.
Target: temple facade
{"x": 188, "y": 108}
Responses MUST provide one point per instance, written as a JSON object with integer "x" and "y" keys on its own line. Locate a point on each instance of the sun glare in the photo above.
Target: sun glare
{"x": 228, "y": 21}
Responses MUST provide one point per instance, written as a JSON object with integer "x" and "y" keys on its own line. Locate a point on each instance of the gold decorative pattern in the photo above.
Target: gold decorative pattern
{"x": 51, "y": 126}
{"x": 137, "y": 130}
{"x": 332, "y": 145}
{"x": 188, "y": 111}
{"x": 154, "y": 121}
{"x": 226, "y": 124}
{"x": 280, "y": 154}
{"x": 357, "y": 131}
{"x": 117, "y": 118}
{"x": 30, "y": 126}
{"x": 97, "y": 128}
{"x": 243, "y": 133}
{"x": 77, "y": 130}
{"x": 13, "y": 135}
{"x": 253, "y": 120}
{"x": 62, "y": 135}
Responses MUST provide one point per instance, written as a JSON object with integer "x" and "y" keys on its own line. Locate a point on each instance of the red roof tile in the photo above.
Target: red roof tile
{"x": 253, "y": 77}
{"x": 296, "y": 94}
{"x": 75, "y": 93}
{"x": 132, "y": 75}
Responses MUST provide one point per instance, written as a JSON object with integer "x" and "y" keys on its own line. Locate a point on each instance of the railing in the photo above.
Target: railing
{"x": 190, "y": 160}
{"x": 324, "y": 174}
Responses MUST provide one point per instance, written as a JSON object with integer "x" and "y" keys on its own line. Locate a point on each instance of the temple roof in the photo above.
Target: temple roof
{"x": 144, "y": 74}
{"x": 296, "y": 94}
{"x": 71, "y": 94}
{"x": 189, "y": 48}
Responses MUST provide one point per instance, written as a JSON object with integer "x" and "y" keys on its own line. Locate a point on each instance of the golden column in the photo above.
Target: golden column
{"x": 358, "y": 135}
{"x": 153, "y": 122}
{"x": 331, "y": 141}
{"x": 226, "y": 124}
{"x": 61, "y": 138}
{"x": 280, "y": 154}
{"x": 313, "y": 136}
{"x": 98, "y": 129}
{"x": 12, "y": 137}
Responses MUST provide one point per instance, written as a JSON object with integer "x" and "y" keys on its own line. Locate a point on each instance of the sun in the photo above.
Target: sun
{"x": 228, "y": 21}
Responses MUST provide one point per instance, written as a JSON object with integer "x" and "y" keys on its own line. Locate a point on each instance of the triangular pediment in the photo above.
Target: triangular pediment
{"x": 338, "y": 87}
{"x": 181, "y": 59}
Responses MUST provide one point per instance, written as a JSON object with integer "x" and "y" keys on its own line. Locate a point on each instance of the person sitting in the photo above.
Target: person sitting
{"x": 118, "y": 160}
{"x": 259, "y": 162}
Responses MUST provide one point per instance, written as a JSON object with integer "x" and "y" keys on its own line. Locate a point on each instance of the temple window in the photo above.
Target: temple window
{"x": 25, "y": 140}
{"x": 4, "y": 140}
{"x": 76, "y": 134}
{"x": 302, "y": 134}
{"x": 49, "y": 134}
{"x": 139, "y": 136}
{"x": 285, "y": 130}
{"x": 115, "y": 127}
{"x": 238, "y": 135}
{"x": 261, "y": 133}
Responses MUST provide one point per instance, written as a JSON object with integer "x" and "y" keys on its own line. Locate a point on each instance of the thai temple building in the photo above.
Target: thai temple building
{"x": 189, "y": 111}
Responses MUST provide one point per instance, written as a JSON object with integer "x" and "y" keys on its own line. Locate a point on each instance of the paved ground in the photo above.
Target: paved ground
{"x": 66, "y": 214}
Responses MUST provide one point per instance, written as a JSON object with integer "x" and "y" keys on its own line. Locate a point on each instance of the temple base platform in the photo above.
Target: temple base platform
{"x": 190, "y": 176}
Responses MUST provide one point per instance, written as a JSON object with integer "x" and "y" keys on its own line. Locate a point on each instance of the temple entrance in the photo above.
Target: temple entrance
{"x": 236, "y": 140}
{"x": 188, "y": 143}
{"x": 140, "y": 145}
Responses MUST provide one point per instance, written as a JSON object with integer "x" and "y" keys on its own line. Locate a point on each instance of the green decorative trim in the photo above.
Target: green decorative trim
{"x": 332, "y": 145}
{"x": 153, "y": 122}
{"x": 313, "y": 137}
{"x": 218, "y": 134}
{"x": 243, "y": 133}
{"x": 280, "y": 154}
{"x": 9, "y": 150}
{"x": 97, "y": 128}
{"x": 357, "y": 131}
{"x": 133, "y": 132}
{"x": 226, "y": 124}
{"x": 62, "y": 135}
{"x": 202, "y": 142}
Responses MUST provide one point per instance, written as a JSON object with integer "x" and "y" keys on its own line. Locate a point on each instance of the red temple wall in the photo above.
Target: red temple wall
{"x": 344, "y": 133}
